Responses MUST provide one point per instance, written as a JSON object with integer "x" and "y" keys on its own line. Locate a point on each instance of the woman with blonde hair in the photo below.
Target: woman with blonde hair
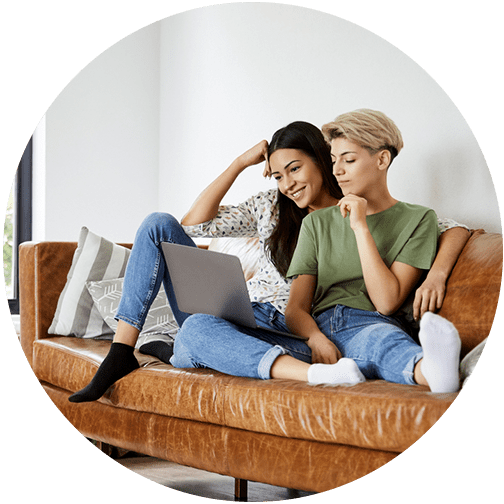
{"x": 355, "y": 266}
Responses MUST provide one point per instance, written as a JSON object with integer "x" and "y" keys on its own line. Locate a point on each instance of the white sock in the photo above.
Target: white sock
{"x": 441, "y": 346}
{"x": 344, "y": 371}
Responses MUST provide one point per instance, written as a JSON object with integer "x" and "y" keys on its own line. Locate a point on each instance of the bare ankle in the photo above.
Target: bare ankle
{"x": 418, "y": 375}
{"x": 126, "y": 334}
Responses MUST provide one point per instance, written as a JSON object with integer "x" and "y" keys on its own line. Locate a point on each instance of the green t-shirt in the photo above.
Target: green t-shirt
{"x": 327, "y": 248}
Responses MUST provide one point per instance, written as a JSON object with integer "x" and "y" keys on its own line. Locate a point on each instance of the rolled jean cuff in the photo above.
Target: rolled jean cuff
{"x": 130, "y": 322}
{"x": 409, "y": 370}
{"x": 264, "y": 367}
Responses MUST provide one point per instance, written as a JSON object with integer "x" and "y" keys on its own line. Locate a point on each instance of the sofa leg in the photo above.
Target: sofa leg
{"x": 241, "y": 490}
{"x": 105, "y": 448}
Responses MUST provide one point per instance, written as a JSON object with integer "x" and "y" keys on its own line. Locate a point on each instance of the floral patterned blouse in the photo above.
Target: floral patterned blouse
{"x": 257, "y": 217}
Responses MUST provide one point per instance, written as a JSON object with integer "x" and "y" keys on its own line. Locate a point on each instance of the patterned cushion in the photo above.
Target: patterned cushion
{"x": 160, "y": 323}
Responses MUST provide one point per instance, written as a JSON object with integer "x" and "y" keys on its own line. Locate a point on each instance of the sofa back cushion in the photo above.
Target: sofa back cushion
{"x": 471, "y": 300}
{"x": 247, "y": 249}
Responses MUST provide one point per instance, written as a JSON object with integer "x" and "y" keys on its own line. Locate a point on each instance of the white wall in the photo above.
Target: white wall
{"x": 102, "y": 144}
{"x": 155, "y": 118}
{"x": 226, "y": 84}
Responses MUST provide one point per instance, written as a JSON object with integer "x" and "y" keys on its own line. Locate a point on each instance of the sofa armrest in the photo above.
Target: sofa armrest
{"x": 43, "y": 269}
{"x": 473, "y": 288}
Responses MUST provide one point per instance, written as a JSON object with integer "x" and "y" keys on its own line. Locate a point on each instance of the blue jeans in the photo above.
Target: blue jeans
{"x": 378, "y": 344}
{"x": 205, "y": 341}
{"x": 146, "y": 269}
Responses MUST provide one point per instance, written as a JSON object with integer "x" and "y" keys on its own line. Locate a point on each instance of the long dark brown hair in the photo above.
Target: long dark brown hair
{"x": 307, "y": 138}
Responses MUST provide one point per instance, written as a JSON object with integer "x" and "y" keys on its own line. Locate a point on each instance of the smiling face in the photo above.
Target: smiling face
{"x": 356, "y": 169}
{"x": 299, "y": 178}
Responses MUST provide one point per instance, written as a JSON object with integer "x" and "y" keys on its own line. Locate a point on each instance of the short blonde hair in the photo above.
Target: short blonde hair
{"x": 370, "y": 129}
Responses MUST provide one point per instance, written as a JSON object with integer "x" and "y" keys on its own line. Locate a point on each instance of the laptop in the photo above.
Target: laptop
{"x": 210, "y": 282}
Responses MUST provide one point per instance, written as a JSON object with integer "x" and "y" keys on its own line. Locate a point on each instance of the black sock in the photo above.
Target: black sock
{"x": 119, "y": 362}
{"x": 163, "y": 350}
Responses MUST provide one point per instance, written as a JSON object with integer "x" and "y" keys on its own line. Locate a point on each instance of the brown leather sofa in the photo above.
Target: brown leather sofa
{"x": 279, "y": 432}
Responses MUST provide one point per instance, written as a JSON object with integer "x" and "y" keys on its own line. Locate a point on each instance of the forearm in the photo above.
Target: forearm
{"x": 323, "y": 350}
{"x": 207, "y": 204}
{"x": 451, "y": 244}
{"x": 430, "y": 295}
{"x": 298, "y": 311}
{"x": 383, "y": 287}
{"x": 301, "y": 322}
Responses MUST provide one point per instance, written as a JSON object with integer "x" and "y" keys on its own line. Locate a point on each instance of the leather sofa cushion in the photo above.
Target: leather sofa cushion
{"x": 375, "y": 415}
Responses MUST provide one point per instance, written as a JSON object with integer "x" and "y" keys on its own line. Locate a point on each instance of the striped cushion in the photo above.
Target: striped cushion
{"x": 95, "y": 259}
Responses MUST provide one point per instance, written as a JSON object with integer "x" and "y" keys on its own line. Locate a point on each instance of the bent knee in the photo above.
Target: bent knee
{"x": 158, "y": 219}
{"x": 196, "y": 327}
{"x": 191, "y": 337}
{"x": 156, "y": 225}
{"x": 197, "y": 323}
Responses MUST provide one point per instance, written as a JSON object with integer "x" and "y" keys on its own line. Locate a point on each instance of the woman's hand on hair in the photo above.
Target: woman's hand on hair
{"x": 267, "y": 169}
{"x": 255, "y": 155}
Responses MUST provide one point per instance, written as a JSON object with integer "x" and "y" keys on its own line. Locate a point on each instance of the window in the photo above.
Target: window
{"x": 18, "y": 225}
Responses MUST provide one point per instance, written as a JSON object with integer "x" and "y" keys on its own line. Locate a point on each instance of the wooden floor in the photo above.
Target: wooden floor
{"x": 202, "y": 483}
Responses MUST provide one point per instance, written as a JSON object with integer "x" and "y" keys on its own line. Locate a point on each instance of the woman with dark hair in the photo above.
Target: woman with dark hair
{"x": 274, "y": 216}
{"x": 299, "y": 160}
{"x": 257, "y": 216}
{"x": 303, "y": 137}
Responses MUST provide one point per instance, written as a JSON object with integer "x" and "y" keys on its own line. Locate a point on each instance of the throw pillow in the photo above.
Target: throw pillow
{"x": 94, "y": 259}
{"x": 469, "y": 362}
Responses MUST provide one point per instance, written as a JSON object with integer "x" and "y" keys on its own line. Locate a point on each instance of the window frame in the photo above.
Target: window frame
{"x": 23, "y": 197}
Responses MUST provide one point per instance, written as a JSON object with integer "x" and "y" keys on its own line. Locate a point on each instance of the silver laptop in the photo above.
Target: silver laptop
{"x": 205, "y": 281}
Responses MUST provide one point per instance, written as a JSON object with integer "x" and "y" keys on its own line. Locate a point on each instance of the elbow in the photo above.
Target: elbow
{"x": 385, "y": 312}
{"x": 386, "y": 308}
{"x": 387, "y": 302}
{"x": 186, "y": 221}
